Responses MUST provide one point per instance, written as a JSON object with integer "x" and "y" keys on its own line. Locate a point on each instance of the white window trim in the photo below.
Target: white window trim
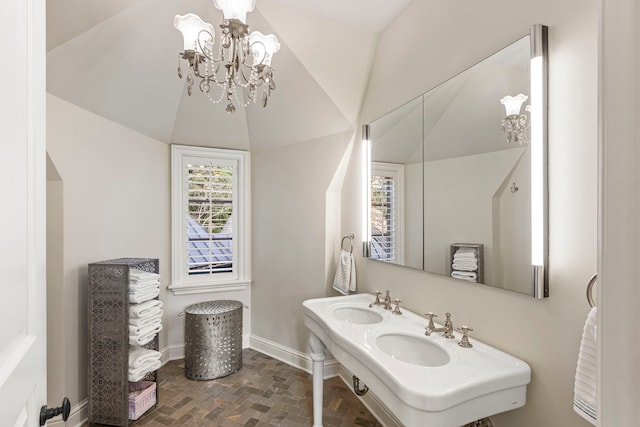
{"x": 181, "y": 282}
{"x": 395, "y": 170}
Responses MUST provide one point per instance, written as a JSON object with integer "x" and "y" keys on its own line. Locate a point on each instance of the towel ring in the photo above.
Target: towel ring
{"x": 592, "y": 282}
{"x": 350, "y": 237}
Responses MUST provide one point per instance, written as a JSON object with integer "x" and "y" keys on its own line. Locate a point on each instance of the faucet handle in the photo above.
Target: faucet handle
{"x": 464, "y": 342}
{"x": 396, "y": 310}
{"x": 430, "y": 317}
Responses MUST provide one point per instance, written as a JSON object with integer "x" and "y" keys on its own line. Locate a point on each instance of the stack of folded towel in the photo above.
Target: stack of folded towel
{"x": 465, "y": 264}
{"x": 143, "y": 286}
{"x": 145, "y": 321}
{"x": 142, "y": 361}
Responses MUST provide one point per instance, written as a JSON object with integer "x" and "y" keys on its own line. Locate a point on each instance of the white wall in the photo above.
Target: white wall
{"x": 289, "y": 186}
{"x": 545, "y": 333}
{"x": 115, "y": 203}
{"x": 110, "y": 198}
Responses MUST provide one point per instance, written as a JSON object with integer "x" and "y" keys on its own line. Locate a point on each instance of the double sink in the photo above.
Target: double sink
{"x": 422, "y": 380}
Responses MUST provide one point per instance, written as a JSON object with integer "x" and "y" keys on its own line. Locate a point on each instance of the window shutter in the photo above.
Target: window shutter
{"x": 210, "y": 208}
{"x": 384, "y": 221}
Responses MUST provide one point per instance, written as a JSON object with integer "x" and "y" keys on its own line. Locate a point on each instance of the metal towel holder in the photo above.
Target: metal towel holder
{"x": 592, "y": 282}
{"x": 350, "y": 237}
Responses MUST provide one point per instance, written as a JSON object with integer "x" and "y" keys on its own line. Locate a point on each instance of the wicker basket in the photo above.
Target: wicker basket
{"x": 142, "y": 396}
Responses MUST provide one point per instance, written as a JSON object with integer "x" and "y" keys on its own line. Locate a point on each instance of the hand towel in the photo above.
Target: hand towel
{"x": 139, "y": 356}
{"x": 584, "y": 390}
{"x": 137, "y": 311}
{"x": 345, "y": 278}
{"x": 154, "y": 317}
{"x": 137, "y": 298}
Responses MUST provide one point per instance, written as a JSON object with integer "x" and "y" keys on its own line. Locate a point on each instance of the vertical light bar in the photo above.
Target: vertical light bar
{"x": 366, "y": 193}
{"x": 538, "y": 144}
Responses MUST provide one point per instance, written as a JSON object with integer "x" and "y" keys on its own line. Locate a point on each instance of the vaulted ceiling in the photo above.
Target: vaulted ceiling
{"x": 118, "y": 59}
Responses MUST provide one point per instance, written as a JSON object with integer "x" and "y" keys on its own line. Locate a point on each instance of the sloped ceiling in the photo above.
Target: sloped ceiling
{"x": 119, "y": 58}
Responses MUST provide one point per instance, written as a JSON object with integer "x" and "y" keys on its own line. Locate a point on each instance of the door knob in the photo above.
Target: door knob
{"x": 46, "y": 413}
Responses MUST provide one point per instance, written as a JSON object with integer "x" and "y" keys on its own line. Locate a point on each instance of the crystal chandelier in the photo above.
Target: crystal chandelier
{"x": 515, "y": 125}
{"x": 241, "y": 63}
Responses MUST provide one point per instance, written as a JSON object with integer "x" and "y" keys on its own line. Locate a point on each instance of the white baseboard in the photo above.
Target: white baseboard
{"x": 291, "y": 357}
{"x": 77, "y": 418}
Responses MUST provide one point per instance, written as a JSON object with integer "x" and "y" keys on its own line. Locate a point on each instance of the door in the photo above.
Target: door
{"x": 22, "y": 212}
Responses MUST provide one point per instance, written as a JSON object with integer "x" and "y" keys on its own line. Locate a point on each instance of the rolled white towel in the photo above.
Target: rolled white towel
{"x": 144, "y": 296}
{"x": 137, "y": 288}
{"x": 466, "y": 266}
{"x": 139, "y": 373}
{"x": 465, "y": 255}
{"x": 135, "y": 274}
{"x": 139, "y": 356}
{"x": 154, "y": 317}
{"x": 142, "y": 336}
{"x": 464, "y": 275}
{"x": 144, "y": 309}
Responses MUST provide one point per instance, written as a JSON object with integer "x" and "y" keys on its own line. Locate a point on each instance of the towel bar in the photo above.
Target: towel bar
{"x": 350, "y": 237}
{"x": 592, "y": 282}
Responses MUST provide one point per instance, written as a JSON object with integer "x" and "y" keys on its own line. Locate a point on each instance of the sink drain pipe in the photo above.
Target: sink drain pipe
{"x": 357, "y": 389}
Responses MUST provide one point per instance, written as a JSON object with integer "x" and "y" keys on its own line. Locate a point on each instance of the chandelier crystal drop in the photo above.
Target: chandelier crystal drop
{"x": 240, "y": 63}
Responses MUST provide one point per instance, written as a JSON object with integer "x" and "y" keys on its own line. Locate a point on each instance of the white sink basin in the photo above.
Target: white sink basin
{"x": 358, "y": 315}
{"x": 411, "y": 349}
{"x": 421, "y": 380}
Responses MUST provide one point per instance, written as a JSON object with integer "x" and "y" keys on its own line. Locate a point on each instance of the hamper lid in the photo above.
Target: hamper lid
{"x": 213, "y": 307}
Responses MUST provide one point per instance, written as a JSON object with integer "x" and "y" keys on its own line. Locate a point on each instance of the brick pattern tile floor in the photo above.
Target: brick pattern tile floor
{"x": 265, "y": 392}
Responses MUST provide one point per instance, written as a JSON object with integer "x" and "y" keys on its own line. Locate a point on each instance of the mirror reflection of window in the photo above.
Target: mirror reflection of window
{"x": 387, "y": 209}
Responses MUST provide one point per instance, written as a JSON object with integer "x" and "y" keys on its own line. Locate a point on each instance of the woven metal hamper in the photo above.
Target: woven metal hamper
{"x": 212, "y": 339}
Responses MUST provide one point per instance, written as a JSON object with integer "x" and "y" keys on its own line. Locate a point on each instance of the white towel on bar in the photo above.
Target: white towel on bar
{"x": 137, "y": 311}
{"x": 345, "y": 278}
{"x": 584, "y": 389}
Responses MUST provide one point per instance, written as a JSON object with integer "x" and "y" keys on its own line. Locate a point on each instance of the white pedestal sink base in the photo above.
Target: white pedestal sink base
{"x": 473, "y": 384}
{"x": 318, "y": 354}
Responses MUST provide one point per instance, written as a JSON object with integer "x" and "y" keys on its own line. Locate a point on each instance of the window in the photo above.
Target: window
{"x": 386, "y": 212}
{"x": 210, "y": 232}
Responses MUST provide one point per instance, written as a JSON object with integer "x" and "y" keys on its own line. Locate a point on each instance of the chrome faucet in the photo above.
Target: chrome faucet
{"x": 447, "y": 328}
{"x": 387, "y": 301}
{"x": 377, "y": 301}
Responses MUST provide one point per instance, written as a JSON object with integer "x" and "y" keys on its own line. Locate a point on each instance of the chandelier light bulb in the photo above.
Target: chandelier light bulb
{"x": 195, "y": 32}
{"x": 235, "y": 9}
{"x": 513, "y": 104}
{"x": 263, "y": 47}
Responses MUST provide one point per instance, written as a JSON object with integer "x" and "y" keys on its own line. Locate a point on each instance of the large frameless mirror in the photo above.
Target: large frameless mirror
{"x": 457, "y": 176}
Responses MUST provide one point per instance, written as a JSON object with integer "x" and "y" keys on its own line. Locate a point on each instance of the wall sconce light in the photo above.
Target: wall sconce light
{"x": 538, "y": 145}
{"x": 515, "y": 125}
{"x": 366, "y": 196}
